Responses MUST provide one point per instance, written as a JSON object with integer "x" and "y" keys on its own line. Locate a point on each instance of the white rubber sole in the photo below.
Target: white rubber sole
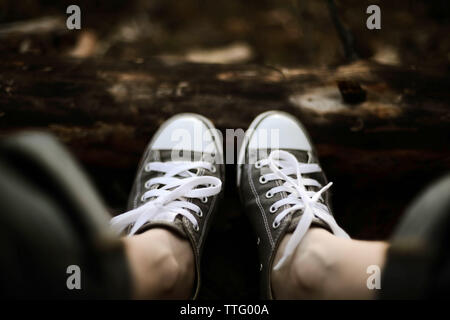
{"x": 251, "y": 130}
{"x": 217, "y": 138}
{"x": 248, "y": 133}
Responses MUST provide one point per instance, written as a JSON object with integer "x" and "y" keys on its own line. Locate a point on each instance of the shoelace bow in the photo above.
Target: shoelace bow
{"x": 168, "y": 195}
{"x": 283, "y": 165}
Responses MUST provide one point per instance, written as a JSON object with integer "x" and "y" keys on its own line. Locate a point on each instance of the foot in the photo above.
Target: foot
{"x": 178, "y": 183}
{"x": 283, "y": 188}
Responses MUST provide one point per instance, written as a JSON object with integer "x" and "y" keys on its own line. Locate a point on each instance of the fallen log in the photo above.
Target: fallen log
{"x": 113, "y": 107}
{"x": 106, "y": 111}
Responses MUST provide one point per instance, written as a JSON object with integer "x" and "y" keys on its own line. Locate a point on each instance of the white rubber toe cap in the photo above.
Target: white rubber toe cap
{"x": 277, "y": 130}
{"x": 184, "y": 132}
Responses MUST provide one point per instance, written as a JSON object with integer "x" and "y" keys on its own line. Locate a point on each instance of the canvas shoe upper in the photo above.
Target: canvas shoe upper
{"x": 178, "y": 183}
{"x": 282, "y": 187}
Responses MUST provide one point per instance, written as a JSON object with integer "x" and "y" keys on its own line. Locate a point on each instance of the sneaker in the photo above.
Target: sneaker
{"x": 282, "y": 187}
{"x": 178, "y": 183}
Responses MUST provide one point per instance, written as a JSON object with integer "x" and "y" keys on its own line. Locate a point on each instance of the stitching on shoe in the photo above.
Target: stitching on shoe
{"x": 259, "y": 205}
{"x": 204, "y": 224}
{"x": 283, "y": 196}
{"x": 206, "y": 217}
{"x": 139, "y": 175}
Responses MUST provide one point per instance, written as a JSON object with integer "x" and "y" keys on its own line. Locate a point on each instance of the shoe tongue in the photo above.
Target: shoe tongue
{"x": 300, "y": 155}
{"x": 303, "y": 157}
{"x": 295, "y": 219}
{"x": 175, "y": 226}
{"x": 171, "y": 155}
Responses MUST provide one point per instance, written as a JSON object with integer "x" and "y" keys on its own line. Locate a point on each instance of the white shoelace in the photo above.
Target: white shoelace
{"x": 168, "y": 195}
{"x": 283, "y": 165}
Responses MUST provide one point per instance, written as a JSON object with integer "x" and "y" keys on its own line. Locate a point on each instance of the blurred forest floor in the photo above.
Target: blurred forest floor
{"x": 272, "y": 32}
{"x": 275, "y": 34}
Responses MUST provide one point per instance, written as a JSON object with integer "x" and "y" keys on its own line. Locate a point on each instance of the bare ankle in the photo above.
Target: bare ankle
{"x": 174, "y": 276}
{"x": 309, "y": 271}
{"x": 162, "y": 265}
{"x": 304, "y": 275}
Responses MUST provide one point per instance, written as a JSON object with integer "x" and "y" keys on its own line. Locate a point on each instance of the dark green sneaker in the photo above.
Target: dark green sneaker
{"x": 178, "y": 183}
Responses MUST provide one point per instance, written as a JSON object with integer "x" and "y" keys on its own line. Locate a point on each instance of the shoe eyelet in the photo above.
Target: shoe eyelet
{"x": 213, "y": 169}
{"x": 147, "y": 185}
{"x": 258, "y": 164}
{"x": 200, "y": 214}
{"x": 196, "y": 228}
{"x": 262, "y": 180}
{"x": 269, "y": 194}
{"x": 272, "y": 209}
{"x": 204, "y": 199}
{"x": 275, "y": 224}
{"x": 260, "y": 267}
{"x": 147, "y": 167}
{"x": 143, "y": 198}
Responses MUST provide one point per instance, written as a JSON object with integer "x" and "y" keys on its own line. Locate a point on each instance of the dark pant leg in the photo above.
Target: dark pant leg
{"x": 418, "y": 261}
{"x": 50, "y": 219}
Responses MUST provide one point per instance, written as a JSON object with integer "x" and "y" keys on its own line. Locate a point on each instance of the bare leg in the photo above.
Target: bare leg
{"x": 162, "y": 265}
{"x": 327, "y": 267}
